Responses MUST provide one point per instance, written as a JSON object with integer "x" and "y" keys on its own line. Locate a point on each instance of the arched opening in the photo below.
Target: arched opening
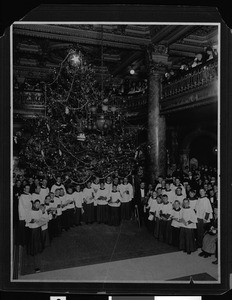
{"x": 204, "y": 149}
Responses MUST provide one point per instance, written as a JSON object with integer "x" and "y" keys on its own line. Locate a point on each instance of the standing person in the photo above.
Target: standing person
{"x": 88, "y": 198}
{"x": 114, "y": 206}
{"x": 204, "y": 215}
{"x": 70, "y": 206}
{"x": 179, "y": 195}
{"x": 32, "y": 184}
{"x": 165, "y": 221}
{"x": 141, "y": 202}
{"x": 169, "y": 192}
{"x": 24, "y": 207}
{"x": 108, "y": 184}
{"x": 177, "y": 184}
{"x": 36, "y": 195}
{"x": 209, "y": 242}
{"x": 192, "y": 199}
{"x": 33, "y": 222}
{"x": 159, "y": 182}
{"x": 127, "y": 195}
{"x": 151, "y": 205}
{"x": 95, "y": 185}
{"x": 53, "y": 226}
{"x": 65, "y": 224}
{"x": 78, "y": 199}
{"x": 44, "y": 228}
{"x": 58, "y": 185}
{"x": 157, "y": 211}
{"x": 17, "y": 191}
{"x": 36, "y": 183}
{"x": 57, "y": 201}
{"x": 188, "y": 224}
{"x": 175, "y": 224}
{"x": 102, "y": 197}
{"x": 44, "y": 190}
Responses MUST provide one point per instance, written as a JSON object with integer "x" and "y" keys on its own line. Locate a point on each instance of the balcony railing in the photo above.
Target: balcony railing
{"x": 28, "y": 99}
{"x": 194, "y": 78}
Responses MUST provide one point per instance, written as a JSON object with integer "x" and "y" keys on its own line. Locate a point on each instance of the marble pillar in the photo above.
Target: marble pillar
{"x": 156, "y": 129}
{"x": 158, "y": 61}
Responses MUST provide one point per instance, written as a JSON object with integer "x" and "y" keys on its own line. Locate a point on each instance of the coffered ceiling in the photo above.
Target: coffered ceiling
{"x": 38, "y": 48}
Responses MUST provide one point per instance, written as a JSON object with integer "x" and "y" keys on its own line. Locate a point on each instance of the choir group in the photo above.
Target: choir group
{"x": 178, "y": 212}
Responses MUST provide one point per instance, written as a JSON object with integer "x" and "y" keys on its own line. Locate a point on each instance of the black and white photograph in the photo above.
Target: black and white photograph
{"x": 115, "y": 152}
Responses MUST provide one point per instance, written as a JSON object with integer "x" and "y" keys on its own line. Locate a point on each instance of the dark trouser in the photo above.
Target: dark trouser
{"x": 89, "y": 213}
{"x": 216, "y": 252}
{"x": 187, "y": 240}
{"x": 59, "y": 227}
{"x": 45, "y": 238}
{"x": 35, "y": 241}
{"x": 162, "y": 231}
{"x": 102, "y": 213}
{"x": 53, "y": 228}
{"x": 175, "y": 236}
{"x": 200, "y": 232}
{"x": 71, "y": 212}
{"x": 157, "y": 227}
{"x": 126, "y": 210}
{"x": 64, "y": 220}
{"x": 95, "y": 213}
{"x": 141, "y": 214}
{"x": 77, "y": 216}
{"x": 151, "y": 226}
{"x": 145, "y": 218}
{"x": 114, "y": 215}
{"x": 21, "y": 233}
{"x": 168, "y": 237}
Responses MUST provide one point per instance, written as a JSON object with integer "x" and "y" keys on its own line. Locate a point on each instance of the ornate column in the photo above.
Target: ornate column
{"x": 158, "y": 60}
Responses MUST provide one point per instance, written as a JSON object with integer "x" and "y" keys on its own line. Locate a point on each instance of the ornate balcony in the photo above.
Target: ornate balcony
{"x": 29, "y": 102}
{"x": 196, "y": 87}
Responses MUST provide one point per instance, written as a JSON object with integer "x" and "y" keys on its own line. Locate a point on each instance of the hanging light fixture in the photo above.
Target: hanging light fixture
{"x": 105, "y": 119}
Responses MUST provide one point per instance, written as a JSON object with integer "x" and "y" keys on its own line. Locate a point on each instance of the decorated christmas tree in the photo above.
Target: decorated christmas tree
{"x": 83, "y": 131}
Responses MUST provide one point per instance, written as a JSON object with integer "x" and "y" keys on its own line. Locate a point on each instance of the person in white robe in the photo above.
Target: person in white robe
{"x": 88, "y": 205}
{"x": 175, "y": 224}
{"x": 204, "y": 214}
{"x": 78, "y": 200}
{"x": 188, "y": 224}
{"x": 165, "y": 221}
{"x": 44, "y": 190}
{"x": 95, "y": 185}
{"x": 58, "y": 185}
{"x": 127, "y": 195}
{"x": 24, "y": 206}
{"x": 36, "y": 195}
{"x": 102, "y": 198}
{"x": 114, "y": 203}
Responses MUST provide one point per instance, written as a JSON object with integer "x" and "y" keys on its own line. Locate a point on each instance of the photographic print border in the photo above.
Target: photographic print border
{"x": 219, "y": 166}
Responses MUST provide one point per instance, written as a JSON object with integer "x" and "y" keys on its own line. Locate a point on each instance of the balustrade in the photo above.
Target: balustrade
{"x": 196, "y": 77}
{"x": 24, "y": 99}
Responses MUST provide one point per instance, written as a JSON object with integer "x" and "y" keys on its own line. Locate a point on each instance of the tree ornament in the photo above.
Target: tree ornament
{"x": 66, "y": 110}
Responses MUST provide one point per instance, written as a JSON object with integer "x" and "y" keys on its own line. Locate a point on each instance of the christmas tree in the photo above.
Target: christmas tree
{"x": 83, "y": 131}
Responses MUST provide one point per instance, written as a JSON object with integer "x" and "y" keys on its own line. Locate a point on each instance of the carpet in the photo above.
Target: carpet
{"x": 96, "y": 243}
{"x": 196, "y": 277}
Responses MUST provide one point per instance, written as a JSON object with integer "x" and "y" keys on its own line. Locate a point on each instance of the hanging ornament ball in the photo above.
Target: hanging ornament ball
{"x": 104, "y": 107}
{"x": 19, "y": 133}
{"x": 66, "y": 110}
